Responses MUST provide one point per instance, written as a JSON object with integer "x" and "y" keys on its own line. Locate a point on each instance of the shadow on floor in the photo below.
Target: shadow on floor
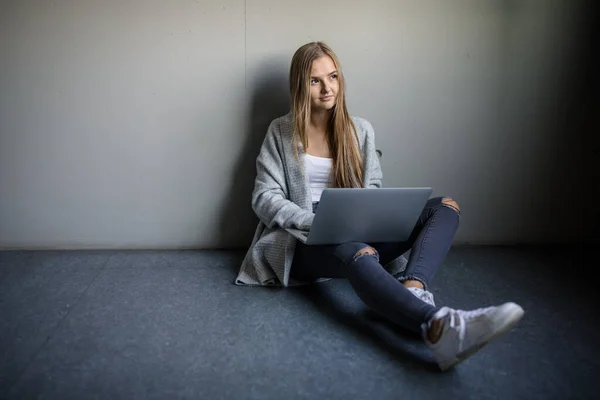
{"x": 405, "y": 346}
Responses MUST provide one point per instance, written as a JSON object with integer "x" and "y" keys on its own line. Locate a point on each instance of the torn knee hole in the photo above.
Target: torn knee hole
{"x": 448, "y": 202}
{"x": 452, "y": 207}
{"x": 366, "y": 250}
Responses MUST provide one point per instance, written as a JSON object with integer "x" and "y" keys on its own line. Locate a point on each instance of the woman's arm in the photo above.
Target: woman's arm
{"x": 270, "y": 196}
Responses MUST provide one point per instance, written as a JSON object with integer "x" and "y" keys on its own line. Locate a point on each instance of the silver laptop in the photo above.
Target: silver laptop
{"x": 365, "y": 215}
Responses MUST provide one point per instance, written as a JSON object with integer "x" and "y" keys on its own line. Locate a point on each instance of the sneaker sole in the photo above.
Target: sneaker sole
{"x": 513, "y": 316}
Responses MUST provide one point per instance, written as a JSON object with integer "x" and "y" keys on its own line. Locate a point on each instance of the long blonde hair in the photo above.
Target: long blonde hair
{"x": 347, "y": 168}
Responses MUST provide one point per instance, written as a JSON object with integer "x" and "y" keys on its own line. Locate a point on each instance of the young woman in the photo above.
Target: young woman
{"x": 320, "y": 145}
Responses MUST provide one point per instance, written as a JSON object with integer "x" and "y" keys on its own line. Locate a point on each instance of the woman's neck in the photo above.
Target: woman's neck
{"x": 319, "y": 121}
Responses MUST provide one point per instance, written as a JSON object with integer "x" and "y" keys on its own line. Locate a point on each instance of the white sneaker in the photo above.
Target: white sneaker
{"x": 465, "y": 332}
{"x": 422, "y": 294}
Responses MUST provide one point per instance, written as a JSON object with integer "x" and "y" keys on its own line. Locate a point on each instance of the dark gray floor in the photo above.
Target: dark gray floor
{"x": 165, "y": 325}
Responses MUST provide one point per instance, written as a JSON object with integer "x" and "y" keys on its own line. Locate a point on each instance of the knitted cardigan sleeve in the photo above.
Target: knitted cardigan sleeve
{"x": 270, "y": 198}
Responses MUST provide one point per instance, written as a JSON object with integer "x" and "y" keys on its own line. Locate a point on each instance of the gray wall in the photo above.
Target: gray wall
{"x": 135, "y": 124}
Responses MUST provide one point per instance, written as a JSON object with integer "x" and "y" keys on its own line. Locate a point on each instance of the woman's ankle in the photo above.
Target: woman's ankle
{"x": 413, "y": 283}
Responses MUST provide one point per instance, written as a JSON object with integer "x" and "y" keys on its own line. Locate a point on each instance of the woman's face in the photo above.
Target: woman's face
{"x": 324, "y": 85}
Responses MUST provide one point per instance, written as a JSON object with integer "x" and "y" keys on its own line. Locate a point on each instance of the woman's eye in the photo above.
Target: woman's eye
{"x": 314, "y": 81}
{"x": 334, "y": 76}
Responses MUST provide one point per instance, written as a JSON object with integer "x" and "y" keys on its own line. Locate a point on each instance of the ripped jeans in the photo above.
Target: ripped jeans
{"x": 429, "y": 243}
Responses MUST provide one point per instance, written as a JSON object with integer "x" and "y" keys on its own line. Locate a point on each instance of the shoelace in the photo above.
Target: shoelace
{"x": 458, "y": 320}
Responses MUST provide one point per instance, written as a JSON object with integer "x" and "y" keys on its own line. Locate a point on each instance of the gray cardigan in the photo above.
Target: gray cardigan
{"x": 282, "y": 199}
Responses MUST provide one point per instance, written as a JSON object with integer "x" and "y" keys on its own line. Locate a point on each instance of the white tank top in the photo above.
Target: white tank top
{"x": 318, "y": 170}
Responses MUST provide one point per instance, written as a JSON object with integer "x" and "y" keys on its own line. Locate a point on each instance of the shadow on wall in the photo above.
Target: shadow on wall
{"x": 268, "y": 99}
